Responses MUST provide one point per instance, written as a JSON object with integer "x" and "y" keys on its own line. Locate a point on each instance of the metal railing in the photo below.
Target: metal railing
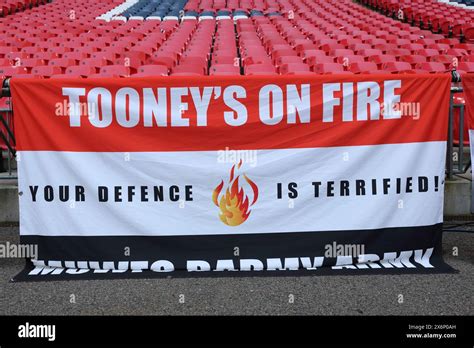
{"x": 455, "y": 157}
{"x": 7, "y": 136}
{"x": 456, "y": 161}
{"x": 7, "y": 143}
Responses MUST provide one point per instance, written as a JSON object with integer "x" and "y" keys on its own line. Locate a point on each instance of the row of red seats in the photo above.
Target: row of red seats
{"x": 64, "y": 34}
{"x": 341, "y": 34}
{"x": 225, "y": 58}
{"x": 429, "y": 14}
{"x": 262, "y": 5}
{"x": 8, "y": 7}
{"x": 56, "y": 13}
{"x": 437, "y": 17}
{"x": 350, "y": 45}
{"x": 308, "y": 56}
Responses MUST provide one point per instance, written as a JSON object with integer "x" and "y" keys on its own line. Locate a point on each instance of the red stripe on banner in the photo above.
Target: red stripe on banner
{"x": 209, "y": 113}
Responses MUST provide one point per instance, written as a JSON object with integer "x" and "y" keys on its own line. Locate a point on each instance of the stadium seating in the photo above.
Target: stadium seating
{"x": 231, "y": 37}
{"x": 157, "y": 9}
{"x": 438, "y": 16}
{"x": 8, "y": 7}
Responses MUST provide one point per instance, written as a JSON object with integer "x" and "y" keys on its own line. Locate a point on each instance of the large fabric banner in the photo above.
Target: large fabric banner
{"x": 312, "y": 174}
{"x": 468, "y": 87}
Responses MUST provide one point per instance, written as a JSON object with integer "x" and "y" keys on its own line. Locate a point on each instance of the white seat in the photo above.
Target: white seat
{"x": 173, "y": 18}
{"x": 119, "y": 18}
{"x": 205, "y": 17}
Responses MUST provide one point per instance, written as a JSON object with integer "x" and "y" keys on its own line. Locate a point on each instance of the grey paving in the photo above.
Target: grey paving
{"x": 442, "y": 294}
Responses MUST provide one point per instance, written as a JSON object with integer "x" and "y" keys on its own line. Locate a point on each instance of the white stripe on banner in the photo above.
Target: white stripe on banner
{"x": 346, "y": 200}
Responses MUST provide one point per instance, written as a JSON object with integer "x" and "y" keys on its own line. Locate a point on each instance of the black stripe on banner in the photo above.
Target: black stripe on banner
{"x": 391, "y": 250}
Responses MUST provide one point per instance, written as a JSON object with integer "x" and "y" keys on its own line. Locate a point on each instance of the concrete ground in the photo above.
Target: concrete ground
{"x": 439, "y": 294}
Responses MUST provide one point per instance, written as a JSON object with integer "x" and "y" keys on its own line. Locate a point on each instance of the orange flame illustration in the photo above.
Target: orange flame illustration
{"x": 234, "y": 204}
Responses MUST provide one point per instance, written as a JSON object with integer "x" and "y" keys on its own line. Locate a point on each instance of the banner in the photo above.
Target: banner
{"x": 468, "y": 87}
{"x": 147, "y": 176}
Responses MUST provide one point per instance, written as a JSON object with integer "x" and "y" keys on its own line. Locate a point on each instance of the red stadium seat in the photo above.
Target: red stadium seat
{"x": 94, "y": 62}
{"x": 282, "y": 53}
{"x": 261, "y": 73}
{"x": 261, "y": 59}
{"x": 317, "y": 60}
{"x": 9, "y": 71}
{"x": 469, "y": 33}
{"x": 74, "y": 55}
{"x": 331, "y": 47}
{"x": 466, "y": 67}
{"x": 313, "y": 53}
{"x": 469, "y": 48}
{"x": 456, "y": 52}
{"x": 341, "y": 53}
{"x": 396, "y": 67}
{"x": 432, "y": 67}
{"x": 288, "y": 59}
{"x": 225, "y": 59}
{"x": 305, "y": 46}
{"x": 63, "y": 63}
{"x": 447, "y": 60}
{"x": 4, "y": 50}
{"x": 386, "y": 47}
{"x": 363, "y": 68}
{"x": 259, "y": 69}
{"x": 65, "y": 76}
{"x": 109, "y": 56}
{"x": 347, "y": 60}
{"x": 399, "y": 52}
{"x": 382, "y": 59}
{"x": 31, "y": 50}
{"x": 288, "y": 68}
{"x": 17, "y": 55}
{"x": 224, "y": 68}
{"x": 82, "y": 70}
{"x": 327, "y": 68}
{"x": 359, "y": 47}
{"x": 370, "y": 52}
{"x": 189, "y": 68}
{"x": 439, "y": 47}
{"x": 152, "y": 70}
{"x": 116, "y": 70}
{"x": 224, "y": 73}
{"x": 412, "y": 59}
{"x": 46, "y": 70}
{"x": 427, "y": 52}
{"x": 412, "y": 47}
{"x": 30, "y": 63}
{"x": 103, "y": 75}
{"x": 168, "y": 61}
{"x": 185, "y": 74}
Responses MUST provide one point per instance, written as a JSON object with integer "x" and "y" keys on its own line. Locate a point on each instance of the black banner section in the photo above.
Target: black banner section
{"x": 417, "y": 331}
{"x": 386, "y": 251}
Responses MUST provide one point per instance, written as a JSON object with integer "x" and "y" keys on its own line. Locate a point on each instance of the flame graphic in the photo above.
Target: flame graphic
{"x": 234, "y": 204}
